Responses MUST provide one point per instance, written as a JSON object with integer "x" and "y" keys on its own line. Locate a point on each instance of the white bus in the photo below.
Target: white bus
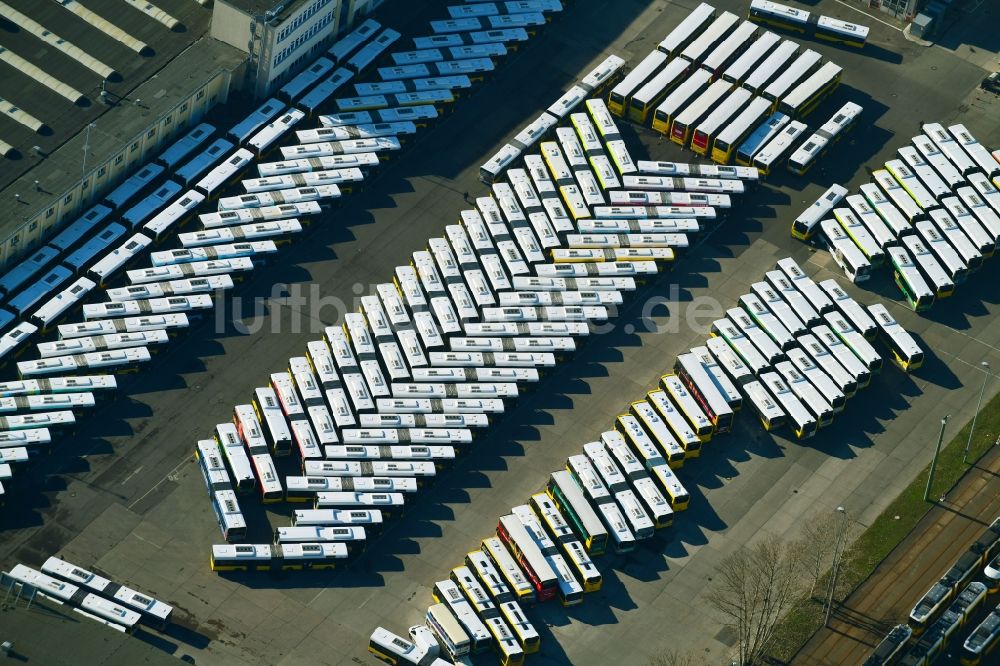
{"x": 855, "y": 341}
{"x": 767, "y": 321}
{"x": 806, "y": 286}
{"x": 826, "y": 361}
{"x": 802, "y": 422}
{"x": 621, "y": 95}
{"x": 772, "y": 154}
{"x": 902, "y": 201}
{"x": 946, "y": 255}
{"x": 265, "y": 214}
{"x": 687, "y": 30}
{"x": 905, "y": 350}
{"x": 774, "y": 64}
{"x": 818, "y": 378}
{"x": 781, "y": 309}
{"x": 850, "y": 308}
{"x": 806, "y": 224}
{"x": 966, "y": 249}
{"x": 975, "y": 150}
{"x": 749, "y": 61}
{"x": 799, "y": 304}
{"x": 858, "y": 233}
{"x": 709, "y": 38}
{"x": 935, "y": 274}
{"x": 927, "y": 176}
{"x": 808, "y": 394}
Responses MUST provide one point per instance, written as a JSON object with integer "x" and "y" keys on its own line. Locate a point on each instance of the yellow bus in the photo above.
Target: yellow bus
{"x": 655, "y": 90}
{"x": 621, "y": 94}
{"x": 685, "y": 122}
{"x": 675, "y": 102}
{"x": 736, "y": 132}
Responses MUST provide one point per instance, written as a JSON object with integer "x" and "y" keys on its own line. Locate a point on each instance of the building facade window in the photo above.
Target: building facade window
{"x": 69, "y": 197}
{"x": 50, "y": 212}
{"x": 33, "y": 225}
{"x": 284, "y": 53}
{"x": 300, "y": 19}
{"x": 134, "y": 147}
{"x": 100, "y": 172}
{"x": 119, "y": 158}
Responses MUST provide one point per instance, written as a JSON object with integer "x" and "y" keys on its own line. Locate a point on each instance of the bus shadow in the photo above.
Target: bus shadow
{"x": 935, "y": 370}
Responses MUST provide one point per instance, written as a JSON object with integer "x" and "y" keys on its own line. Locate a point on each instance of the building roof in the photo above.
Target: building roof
{"x": 113, "y": 130}
{"x": 62, "y": 117}
{"x": 280, "y": 8}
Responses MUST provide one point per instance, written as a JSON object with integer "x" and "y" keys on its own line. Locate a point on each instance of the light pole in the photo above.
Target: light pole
{"x": 841, "y": 534}
{"x": 937, "y": 450}
{"x": 972, "y": 430}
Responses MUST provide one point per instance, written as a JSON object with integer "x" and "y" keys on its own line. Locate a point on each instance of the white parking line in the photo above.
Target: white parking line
{"x": 156, "y": 485}
{"x": 861, "y": 11}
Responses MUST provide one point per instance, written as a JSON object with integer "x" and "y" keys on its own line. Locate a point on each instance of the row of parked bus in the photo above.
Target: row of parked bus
{"x": 121, "y": 334}
{"x": 622, "y": 487}
{"x": 196, "y": 169}
{"x": 950, "y": 604}
{"x": 714, "y": 81}
{"x": 932, "y": 215}
{"x": 91, "y": 595}
{"x": 49, "y": 408}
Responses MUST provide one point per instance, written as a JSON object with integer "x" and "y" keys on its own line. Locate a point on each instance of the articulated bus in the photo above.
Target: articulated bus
{"x": 737, "y": 72}
{"x": 813, "y": 25}
{"x": 705, "y": 131}
{"x": 760, "y": 136}
{"x": 687, "y": 30}
{"x": 735, "y": 132}
{"x": 621, "y": 94}
{"x": 685, "y": 122}
{"x": 654, "y": 91}
{"x": 710, "y": 38}
{"x": 816, "y": 146}
{"x": 677, "y": 100}
{"x": 703, "y": 389}
{"x": 806, "y": 224}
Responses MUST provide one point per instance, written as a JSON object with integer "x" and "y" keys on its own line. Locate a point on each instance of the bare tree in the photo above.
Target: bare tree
{"x": 815, "y": 547}
{"x": 754, "y": 589}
